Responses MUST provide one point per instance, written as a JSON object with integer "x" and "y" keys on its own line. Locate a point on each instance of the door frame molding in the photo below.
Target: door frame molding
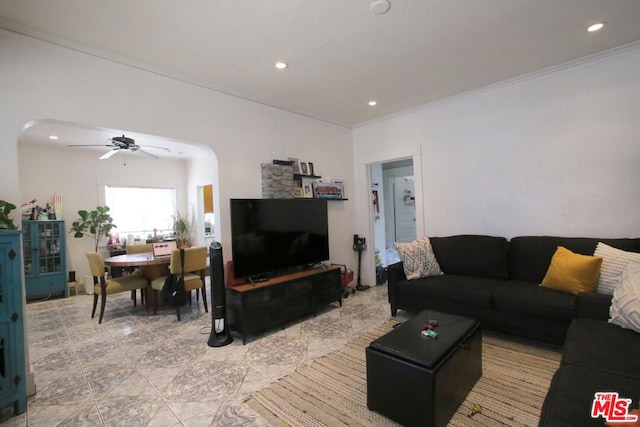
{"x": 364, "y": 219}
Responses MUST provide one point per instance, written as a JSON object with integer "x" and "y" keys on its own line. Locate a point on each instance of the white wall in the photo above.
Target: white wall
{"x": 557, "y": 154}
{"x": 39, "y": 80}
{"x": 202, "y": 170}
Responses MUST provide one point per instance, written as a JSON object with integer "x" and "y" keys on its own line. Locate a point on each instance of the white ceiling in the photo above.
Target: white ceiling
{"x": 340, "y": 54}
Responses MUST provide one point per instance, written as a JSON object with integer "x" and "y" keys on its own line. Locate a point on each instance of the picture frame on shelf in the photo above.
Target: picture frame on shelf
{"x": 295, "y": 165}
{"x": 340, "y": 184}
{"x": 328, "y": 190}
{"x": 304, "y": 168}
{"x": 308, "y": 191}
{"x": 311, "y": 171}
{"x": 298, "y": 193}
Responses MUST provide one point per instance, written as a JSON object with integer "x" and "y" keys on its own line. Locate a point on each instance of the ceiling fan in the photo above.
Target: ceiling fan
{"x": 123, "y": 143}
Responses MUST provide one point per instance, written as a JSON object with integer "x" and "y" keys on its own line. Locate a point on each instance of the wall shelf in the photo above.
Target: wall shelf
{"x": 273, "y": 175}
{"x": 320, "y": 198}
{"x": 301, "y": 176}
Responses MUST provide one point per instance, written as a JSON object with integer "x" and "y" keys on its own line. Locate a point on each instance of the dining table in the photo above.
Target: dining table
{"x": 150, "y": 268}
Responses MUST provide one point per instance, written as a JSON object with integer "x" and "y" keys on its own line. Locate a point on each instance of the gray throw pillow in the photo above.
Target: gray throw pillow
{"x": 418, "y": 259}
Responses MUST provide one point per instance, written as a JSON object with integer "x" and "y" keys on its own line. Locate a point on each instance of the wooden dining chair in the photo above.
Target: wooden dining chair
{"x": 138, "y": 249}
{"x": 104, "y": 287}
{"x": 195, "y": 266}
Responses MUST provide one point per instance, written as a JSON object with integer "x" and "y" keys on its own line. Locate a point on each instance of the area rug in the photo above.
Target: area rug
{"x": 332, "y": 390}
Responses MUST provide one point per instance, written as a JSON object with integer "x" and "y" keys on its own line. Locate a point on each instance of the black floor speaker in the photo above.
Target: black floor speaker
{"x": 219, "y": 333}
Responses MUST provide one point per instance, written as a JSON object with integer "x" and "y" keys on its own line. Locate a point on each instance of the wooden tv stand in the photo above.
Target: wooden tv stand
{"x": 262, "y": 305}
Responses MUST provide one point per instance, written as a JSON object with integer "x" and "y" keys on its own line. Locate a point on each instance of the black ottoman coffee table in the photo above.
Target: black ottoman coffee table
{"x": 420, "y": 381}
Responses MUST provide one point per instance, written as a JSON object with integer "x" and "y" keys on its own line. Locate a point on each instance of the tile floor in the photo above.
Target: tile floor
{"x": 137, "y": 369}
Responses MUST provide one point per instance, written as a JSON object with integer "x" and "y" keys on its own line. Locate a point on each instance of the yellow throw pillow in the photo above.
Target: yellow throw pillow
{"x": 571, "y": 272}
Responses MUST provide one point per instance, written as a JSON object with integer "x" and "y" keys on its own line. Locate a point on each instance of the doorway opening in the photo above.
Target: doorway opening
{"x": 393, "y": 208}
{"x": 205, "y": 218}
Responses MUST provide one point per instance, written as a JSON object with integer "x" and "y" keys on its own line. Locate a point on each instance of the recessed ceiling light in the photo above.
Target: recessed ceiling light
{"x": 595, "y": 27}
{"x": 281, "y": 65}
{"x": 53, "y": 137}
{"x": 373, "y": 103}
{"x": 379, "y": 7}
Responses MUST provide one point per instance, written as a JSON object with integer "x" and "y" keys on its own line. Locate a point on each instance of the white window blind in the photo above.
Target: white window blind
{"x": 141, "y": 210}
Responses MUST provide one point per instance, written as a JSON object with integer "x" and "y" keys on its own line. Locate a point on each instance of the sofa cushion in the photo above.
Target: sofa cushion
{"x": 418, "y": 259}
{"x": 530, "y": 256}
{"x": 571, "y": 272}
{"x": 474, "y": 291}
{"x": 530, "y": 299}
{"x": 472, "y": 255}
{"x": 570, "y": 396}
{"x": 625, "y": 306}
{"x": 596, "y": 344}
{"x": 614, "y": 262}
{"x": 593, "y": 305}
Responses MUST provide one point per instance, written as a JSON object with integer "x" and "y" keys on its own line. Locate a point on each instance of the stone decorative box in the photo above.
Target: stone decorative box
{"x": 277, "y": 181}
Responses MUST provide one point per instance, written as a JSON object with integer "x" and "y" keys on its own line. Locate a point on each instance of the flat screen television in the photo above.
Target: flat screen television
{"x": 273, "y": 236}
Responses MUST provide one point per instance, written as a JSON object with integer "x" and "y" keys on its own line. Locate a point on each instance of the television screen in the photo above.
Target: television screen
{"x": 275, "y": 235}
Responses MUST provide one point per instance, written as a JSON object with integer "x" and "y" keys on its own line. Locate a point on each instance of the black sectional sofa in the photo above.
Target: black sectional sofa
{"x": 496, "y": 281}
{"x": 597, "y": 356}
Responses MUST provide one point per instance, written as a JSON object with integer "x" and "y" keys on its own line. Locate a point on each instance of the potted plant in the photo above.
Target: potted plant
{"x": 95, "y": 224}
{"x": 6, "y": 222}
{"x": 182, "y": 226}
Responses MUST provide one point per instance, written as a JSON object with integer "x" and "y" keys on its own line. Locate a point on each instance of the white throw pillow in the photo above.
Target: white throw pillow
{"x": 625, "y": 306}
{"x": 614, "y": 262}
{"x": 418, "y": 259}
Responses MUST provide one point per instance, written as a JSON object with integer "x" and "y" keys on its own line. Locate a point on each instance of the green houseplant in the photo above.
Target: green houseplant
{"x": 182, "y": 226}
{"x": 6, "y": 222}
{"x": 95, "y": 224}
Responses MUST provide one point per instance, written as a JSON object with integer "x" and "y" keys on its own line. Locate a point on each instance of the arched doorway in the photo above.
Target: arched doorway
{"x": 48, "y": 166}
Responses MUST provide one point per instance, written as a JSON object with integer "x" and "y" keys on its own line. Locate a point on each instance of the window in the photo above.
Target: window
{"x": 141, "y": 211}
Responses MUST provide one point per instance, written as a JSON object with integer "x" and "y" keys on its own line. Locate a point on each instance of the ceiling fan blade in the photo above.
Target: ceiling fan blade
{"x": 149, "y": 155}
{"x": 156, "y": 148}
{"x": 109, "y": 154}
{"x": 90, "y": 145}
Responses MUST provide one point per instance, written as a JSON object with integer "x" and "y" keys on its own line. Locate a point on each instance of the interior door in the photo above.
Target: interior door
{"x": 404, "y": 205}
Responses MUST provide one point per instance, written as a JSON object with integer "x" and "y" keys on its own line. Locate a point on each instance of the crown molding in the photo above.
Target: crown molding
{"x": 585, "y": 61}
{"x": 109, "y": 56}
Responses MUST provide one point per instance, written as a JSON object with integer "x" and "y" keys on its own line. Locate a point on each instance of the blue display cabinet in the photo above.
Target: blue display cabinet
{"x": 12, "y": 359}
{"x": 45, "y": 263}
